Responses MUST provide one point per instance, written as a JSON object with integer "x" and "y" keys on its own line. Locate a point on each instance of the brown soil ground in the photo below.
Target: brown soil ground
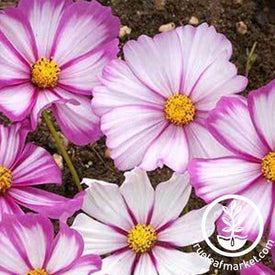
{"x": 145, "y": 17}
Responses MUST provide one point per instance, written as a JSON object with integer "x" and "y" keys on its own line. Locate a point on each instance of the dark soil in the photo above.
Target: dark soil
{"x": 145, "y": 17}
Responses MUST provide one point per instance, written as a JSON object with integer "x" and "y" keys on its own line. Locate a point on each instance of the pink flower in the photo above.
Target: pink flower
{"x": 247, "y": 129}
{"x": 141, "y": 227}
{"x": 22, "y": 168}
{"x": 28, "y": 247}
{"x": 153, "y": 104}
{"x": 52, "y": 52}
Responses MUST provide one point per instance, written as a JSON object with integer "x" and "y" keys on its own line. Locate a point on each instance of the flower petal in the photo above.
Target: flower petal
{"x": 39, "y": 14}
{"x": 257, "y": 269}
{"x": 145, "y": 266}
{"x": 98, "y": 237}
{"x": 122, "y": 88}
{"x": 78, "y": 122}
{"x": 8, "y": 206}
{"x": 12, "y": 142}
{"x": 174, "y": 262}
{"x": 67, "y": 248}
{"x": 230, "y": 122}
{"x": 46, "y": 203}
{"x": 219, "y": 79}
{"x": 187, "y": 229}
{"x": 82, "y": 74}
{"x": 202, "y": 144}
{"x": 261, "y": 194}
{"x": 85, "y": 265}
{"x": 83, "y": 27}
{"x": 200, "y": 46}
{"x": 216, "y": 177}
{"x": 16, "y": 28}
{"x": 118, "y": 264}
{"x": 104, "y": 202}
{"x": 170, "y": 199}
{"x": 261, "y": 104}
{"x": 35, "y": 166}
{"x": 170, "y": 142}
{"x": 157, "y": 62}
{"x": 129, "y": 135}
{"x": 17, "y": 101}
{"x": 138, "y": 194}
{"x": 25, "y": 232}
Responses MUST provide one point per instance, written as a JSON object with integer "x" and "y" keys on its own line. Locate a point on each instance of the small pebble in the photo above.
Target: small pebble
{"x": 194, "y": 21}
{"x": 167, "y": 27}
{"x": 238, "y": 2}
{"x": 160, "y": 4}
{"x": 59, "y": 161}
{"x": 65, "y": 141}
{"x": 124, "y": 30}
{"x": 241, "y": 27}
{"x": 108, "y": 153}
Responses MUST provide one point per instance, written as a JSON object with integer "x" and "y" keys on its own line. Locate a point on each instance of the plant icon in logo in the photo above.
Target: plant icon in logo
{"x": 233, "y": 239}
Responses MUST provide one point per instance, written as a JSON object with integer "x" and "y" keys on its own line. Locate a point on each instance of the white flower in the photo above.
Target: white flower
{"x": 139, "y": 228}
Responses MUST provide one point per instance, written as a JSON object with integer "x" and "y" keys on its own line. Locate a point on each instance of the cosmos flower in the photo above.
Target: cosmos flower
{"x": 22, "y": 168}
{"x": 153, "y": 104}
{"x": 140, "y": 227}
{"x": 247, "y": 129}
{"x": 52, "y": 52}
{"x": 28, "y": 247}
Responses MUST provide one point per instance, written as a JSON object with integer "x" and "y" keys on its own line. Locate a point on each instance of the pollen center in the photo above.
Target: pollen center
{"x": 268, "y": 166}
{"x": 37, "y": 272}
{"x": 44, "y": 73}
{"x": 179, "y": 109}
{"x": 5, "y": 179}
{"x": 142, "y": 238}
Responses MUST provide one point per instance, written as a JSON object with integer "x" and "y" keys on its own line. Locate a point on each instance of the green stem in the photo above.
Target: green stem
{"x": 62, "y": 149}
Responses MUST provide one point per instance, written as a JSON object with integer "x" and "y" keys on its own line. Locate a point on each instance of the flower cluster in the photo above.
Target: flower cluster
{"x": 171, "y": 101}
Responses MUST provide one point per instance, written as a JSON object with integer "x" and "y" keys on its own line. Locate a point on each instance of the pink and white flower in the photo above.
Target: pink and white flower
{"x": 140, "y": 227}
{"x": 22, "y": 168}
{"x": 153, "y": 104}
{"x": 247, "y": 129}
{"x": 52, "y": 53}
{"x": 28, "y": 246}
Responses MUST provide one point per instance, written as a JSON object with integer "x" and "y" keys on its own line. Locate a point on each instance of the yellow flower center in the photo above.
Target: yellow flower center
{"x": 268, "y": 166}
{"x": 5, "y": 179}
{"x": 142, "y": 238}
{"x": 37, "y": 272}
{"x": 44, "y": 73}
{"x": 179, "y": 109}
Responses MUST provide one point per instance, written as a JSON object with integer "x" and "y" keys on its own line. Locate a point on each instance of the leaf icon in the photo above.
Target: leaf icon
{"x": 227, "y": 229}
{"x": 226, "y": 221}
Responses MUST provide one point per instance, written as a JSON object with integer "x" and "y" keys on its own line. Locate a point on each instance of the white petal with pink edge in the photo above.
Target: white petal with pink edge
{"x": 261, "y": 104}
{"x": 130, "y": 131}
{"x": 169, "y": 148}
{"x": 67, "y": 248}
{"x": 8, "y": 206}
{"x": 39, "y": 14}
{"x": 104, "y": 202}
{"x": 200, "y": 46}
{"x": 202, "y": 144}
{"x": 138, "y": 194}
{"x": 17, "y": 101}
{"x": 35, "y": 166}
{"x": 170, "y": 199}
{"x": 187, "y": 229}
{"x": 83, "y": 27}
{"x": 98, "y": 237}
{"x": 216, "y": 177}
{"x": 157, "y": 62}
{"x": 231, "y": 125}
{"x": 47, "y": 203}
{"x": 122, "y": 88}
{"x": 174, "y": 262}
{"x": 261, "y": 194}
{"x": 78, "y": 122}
